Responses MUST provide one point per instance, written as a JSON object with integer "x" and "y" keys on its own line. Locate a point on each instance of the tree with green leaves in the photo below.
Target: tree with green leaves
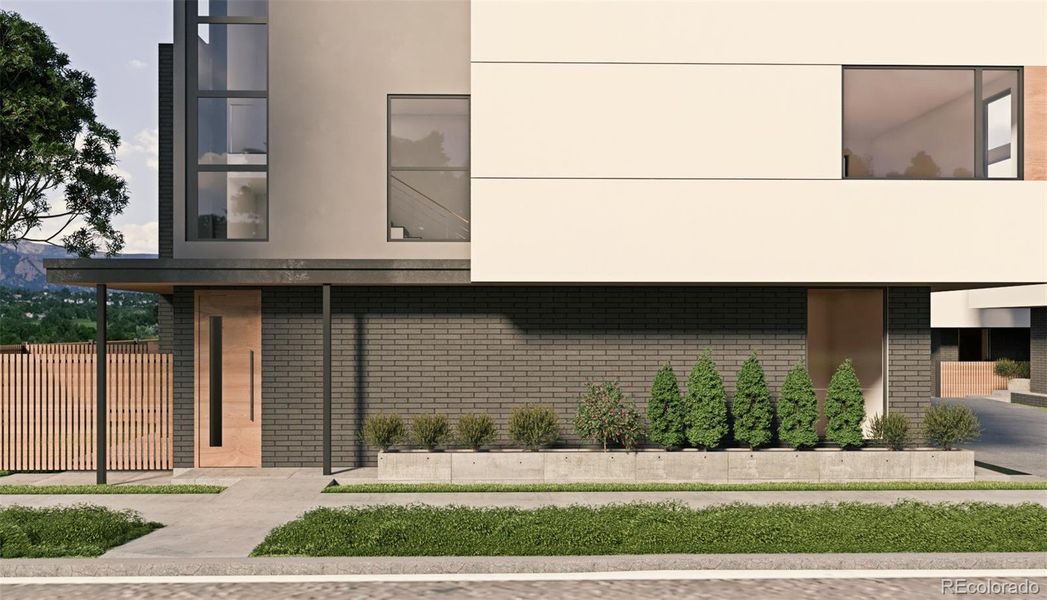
{"x": 845, "y": 408}
{"x": 798, "y": 409}
{"x": 665, "y": 410}
{"x": 53, "y": 143}
{"x": 706, "y": 404}
{"x": 751, "y": 407}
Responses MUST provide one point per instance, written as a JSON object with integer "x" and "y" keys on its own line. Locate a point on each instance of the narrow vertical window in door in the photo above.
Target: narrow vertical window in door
{"x": 215, "y": 388}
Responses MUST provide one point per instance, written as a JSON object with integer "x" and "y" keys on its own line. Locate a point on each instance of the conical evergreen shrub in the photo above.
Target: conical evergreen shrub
{"x": 706, "y": 404}
{"x": 665, "y": 411}
{"x": 798, "y": 409}
{"x": 845, "y": 408}
{"x": 751, "y": 407}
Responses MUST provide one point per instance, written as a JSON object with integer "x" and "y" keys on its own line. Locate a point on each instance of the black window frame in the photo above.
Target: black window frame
{"x": 389, "y": 161}
{"x": 193, "y": 93}
{"x": 979, "y": 124}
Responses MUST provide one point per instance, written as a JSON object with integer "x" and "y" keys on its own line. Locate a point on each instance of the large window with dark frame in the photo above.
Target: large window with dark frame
{"x": 932, "y": 122}
{"x": 227, "y": 116}
{"x": 428, "y": 168}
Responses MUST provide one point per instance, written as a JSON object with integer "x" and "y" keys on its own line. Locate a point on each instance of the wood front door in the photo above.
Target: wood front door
{"x": 229, "y": 378}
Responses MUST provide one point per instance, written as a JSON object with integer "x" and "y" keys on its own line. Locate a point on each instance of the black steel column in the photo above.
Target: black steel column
{"x": 100, "y": 410}
{"x": 327, "y": 377}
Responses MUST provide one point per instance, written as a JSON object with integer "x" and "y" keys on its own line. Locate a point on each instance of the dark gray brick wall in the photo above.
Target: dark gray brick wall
{"x": 909, "y": 351}
{"x": 165, "y": 321}
{"x": 1038, "y": 350}
{"x": 944, "y": 348}
{"x": 292, "y": 377}
{"x": 165, "y": 178}
{"x": 454, "y": 350}
{"x": 182, "y": 346}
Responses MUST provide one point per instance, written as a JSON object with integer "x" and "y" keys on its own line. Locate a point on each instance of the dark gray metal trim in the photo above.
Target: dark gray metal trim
{"x": 214, "y": 388}
{"x": 101, "y": 444}
{"x": 979, "y": 150}
{"x": 326, "y": 291}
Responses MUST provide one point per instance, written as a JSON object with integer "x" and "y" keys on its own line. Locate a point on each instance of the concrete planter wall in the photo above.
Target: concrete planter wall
{"x": 730, "y": 466}
{"x": 1018, "y": 385}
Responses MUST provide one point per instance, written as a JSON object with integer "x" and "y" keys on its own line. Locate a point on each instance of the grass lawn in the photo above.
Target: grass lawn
{"x": 110, "y": 489}
{"x": 414, "y": 488}
{"x": 4, "y": 473}
{"x": 67, "y": 531}
{"x": 663, "y": 528}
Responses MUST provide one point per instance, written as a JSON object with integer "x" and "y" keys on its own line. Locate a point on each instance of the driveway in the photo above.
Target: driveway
{"x": 1013, "y": 435}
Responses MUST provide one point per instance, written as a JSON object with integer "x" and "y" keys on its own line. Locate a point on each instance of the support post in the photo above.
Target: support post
{"x": 327, "y": 377}
{"x": 100, "y": 384}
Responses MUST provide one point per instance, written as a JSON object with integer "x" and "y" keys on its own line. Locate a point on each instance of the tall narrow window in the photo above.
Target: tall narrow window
{"x": 227, "y": 79}
{"x": 931, "y": 123}
{"x": 428, "y": 176}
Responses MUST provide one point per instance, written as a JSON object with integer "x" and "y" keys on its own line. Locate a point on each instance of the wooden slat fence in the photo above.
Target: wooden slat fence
{"x": 113, "y": 347}
{"x": 969, "y": 378}
{"x": 47, "y": 411}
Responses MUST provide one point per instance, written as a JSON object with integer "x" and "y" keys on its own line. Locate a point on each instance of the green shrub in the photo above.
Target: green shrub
{"x": 706, "y": 404}
{"x": 892, "y": 430}
{"x": 429, "y": 431}
{"x": 1011, "y": 369}
{"x": 606, "y": 415}
{"x": 534, "y": 426}
{"x": 946, "y": 425}
{"x": 80, "y": 530}
{"x": 475, "y": 431}
{"x": 665, "y": 410}
{"x": 751, "y": 406}
{"x": 845, "y": 407}
{"x": 798, "y": 409}
{"x": 383, "y": 431}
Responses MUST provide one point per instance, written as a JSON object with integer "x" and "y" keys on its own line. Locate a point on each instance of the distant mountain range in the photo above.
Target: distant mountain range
{"x": 22, "y": 266}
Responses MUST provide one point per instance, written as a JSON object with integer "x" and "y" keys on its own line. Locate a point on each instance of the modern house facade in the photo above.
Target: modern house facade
{"x": 454, "y": 206}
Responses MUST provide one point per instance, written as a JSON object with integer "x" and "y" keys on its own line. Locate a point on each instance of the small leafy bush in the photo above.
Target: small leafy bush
{"x": 705, "y": 404}
{"x": 751, "y": 407}
{"x": 946, "y": 425}
{"x": 798, "y": 409}
{"x": 892, "y": 430}
{"x": 429, "y": 431}
{"x": 475, "y": 431}
{"x": 845, "y": 407}
{"x": 1011, "y": 369}
{"x": 665, "y": 410}
{"x": 383, "y": 431}
{"x": 534, "y": 426}
{"x": 606, "y": 415}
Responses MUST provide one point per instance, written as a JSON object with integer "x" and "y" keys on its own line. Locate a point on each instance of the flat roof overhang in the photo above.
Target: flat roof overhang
{"x": 161, "y": 275}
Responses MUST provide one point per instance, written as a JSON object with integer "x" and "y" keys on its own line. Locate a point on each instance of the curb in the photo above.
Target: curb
{"x": 147, "y": 567}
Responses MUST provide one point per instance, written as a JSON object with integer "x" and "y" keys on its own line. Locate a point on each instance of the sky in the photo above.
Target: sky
{"x": 115, "y": 41}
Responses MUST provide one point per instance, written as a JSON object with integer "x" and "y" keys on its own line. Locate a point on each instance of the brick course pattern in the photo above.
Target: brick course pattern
{"x": 182, "y": 397}
{"x": 165, "y": 177}
{"x": 488, "y": 349}
{"x": 1038, "y": 350}
{"x": 909, "y": 351}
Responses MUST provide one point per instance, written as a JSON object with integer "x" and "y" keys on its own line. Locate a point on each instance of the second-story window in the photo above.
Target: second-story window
{"x": 428, "y": 170}
{"x": 932, "y": 123}
{"x": 227, "y": 110}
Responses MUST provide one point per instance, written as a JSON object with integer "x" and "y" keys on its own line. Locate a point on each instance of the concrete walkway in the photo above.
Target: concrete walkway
{"x": 1013, "y": 435}
{"x": 231, "y": 524}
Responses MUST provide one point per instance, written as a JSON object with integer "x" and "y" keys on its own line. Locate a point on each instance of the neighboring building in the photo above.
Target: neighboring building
{"x": 509, "y": 199}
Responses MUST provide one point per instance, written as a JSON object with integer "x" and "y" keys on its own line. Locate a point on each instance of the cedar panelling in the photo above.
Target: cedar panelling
{"x": 970, "y": 378}
{"x": 1035, "y": 122}
{"x": 47, "y": 411}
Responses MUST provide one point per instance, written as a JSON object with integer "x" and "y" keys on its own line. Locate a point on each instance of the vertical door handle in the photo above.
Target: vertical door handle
{"x": 252, "y": 385}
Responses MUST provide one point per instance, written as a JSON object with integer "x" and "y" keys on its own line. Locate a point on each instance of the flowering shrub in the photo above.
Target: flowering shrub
{"x": 606, "y": 415}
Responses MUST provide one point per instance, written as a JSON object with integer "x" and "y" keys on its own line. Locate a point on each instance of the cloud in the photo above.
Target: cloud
{"x": 144, "y": 143}
{"x": 137, "y": 64}
{"x": 140, "y": 239}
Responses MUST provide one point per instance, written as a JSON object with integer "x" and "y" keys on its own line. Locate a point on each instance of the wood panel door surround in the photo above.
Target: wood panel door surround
{"x": 228, "y": 326}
